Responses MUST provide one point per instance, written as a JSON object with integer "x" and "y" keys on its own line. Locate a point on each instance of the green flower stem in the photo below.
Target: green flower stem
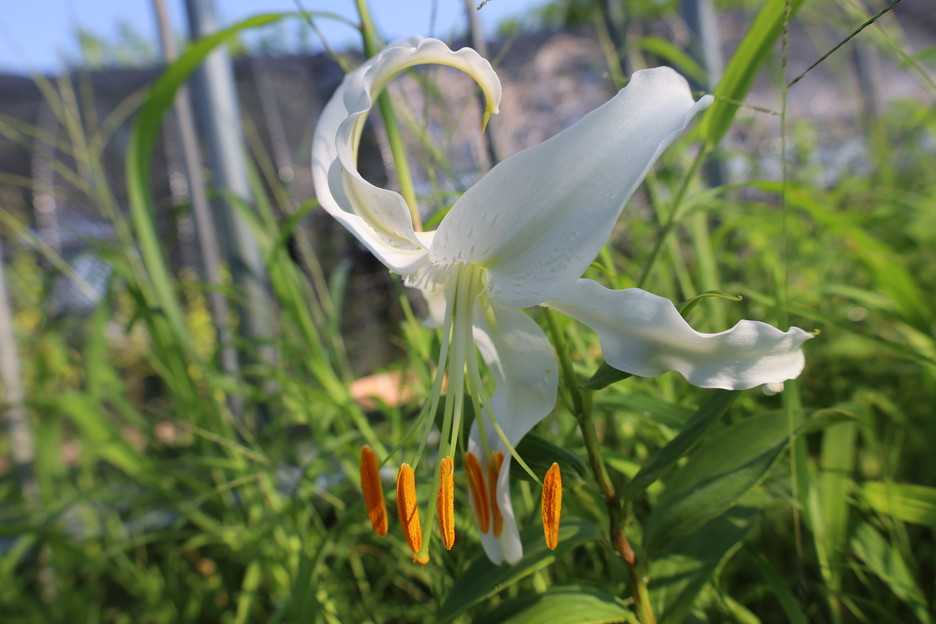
{"x": 617, "y": 511}
{"x": 385, "y": 106}
{"x": 674, "y": 211}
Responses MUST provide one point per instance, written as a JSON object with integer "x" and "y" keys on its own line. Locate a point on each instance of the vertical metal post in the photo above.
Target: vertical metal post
{"x": 43, "y": 176}
{"x": 208, "y": 247}
{"x": 615, "y": 19}
{"x": 705, "y": 47}
{"x": 864, "y": 60}
{"x": 478, "y": 42}
{"x": 11, "y": 399}
{"x": 218, "y": 118}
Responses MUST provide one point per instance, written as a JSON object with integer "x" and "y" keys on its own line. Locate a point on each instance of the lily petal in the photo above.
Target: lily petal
{"x": 525, "y": 369}
{"x": 378, "y": 217}
{"x": 643, "y": 334}
{"x": 540, "y": 217}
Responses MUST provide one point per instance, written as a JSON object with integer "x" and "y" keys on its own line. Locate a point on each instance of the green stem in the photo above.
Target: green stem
{"x": 674, "y": 211}
{"x": 617, "y": 511}
{"x": 385, "y": 106}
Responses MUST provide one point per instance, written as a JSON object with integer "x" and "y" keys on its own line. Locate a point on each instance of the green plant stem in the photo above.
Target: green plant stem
{"x": 617, "y": 511}
{"x": 385, "y": 106}
{"x": 674, "y": 211}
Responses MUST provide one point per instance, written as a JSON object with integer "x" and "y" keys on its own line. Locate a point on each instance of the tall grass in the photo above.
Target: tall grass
{"x": 154, "y": 503}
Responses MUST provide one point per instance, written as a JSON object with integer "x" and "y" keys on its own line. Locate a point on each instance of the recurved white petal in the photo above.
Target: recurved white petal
{"x": 525, "y": 370}
{"x": 378, "y": 217}
{"x": 540, "y": 217}
{"x": 643, "y": 334}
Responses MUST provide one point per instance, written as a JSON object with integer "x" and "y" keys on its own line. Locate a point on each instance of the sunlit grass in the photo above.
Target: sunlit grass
{"x": 150, "y": 498}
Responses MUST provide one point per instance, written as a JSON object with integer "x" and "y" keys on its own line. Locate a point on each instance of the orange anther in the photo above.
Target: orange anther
{"x": 494, "y": 466}
{"x": 551, "y": 505}
{"x": 445, "y": 503}
{"x": 479, "y": 502}
{"x": 373, "y": 491}
{"x": 408, "y": 512}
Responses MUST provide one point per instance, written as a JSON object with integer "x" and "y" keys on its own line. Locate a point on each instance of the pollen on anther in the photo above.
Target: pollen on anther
{"x": 445, "y": 503}
{"x": 479, "y": 502}
{"x": 551, "y": 505}
{"x": 494, "y": 465}
{"x": 408, "y": 512}
{"x": 373, "y": 491}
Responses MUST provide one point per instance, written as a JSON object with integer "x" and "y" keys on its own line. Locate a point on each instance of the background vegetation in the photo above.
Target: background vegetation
{"x": 163, "y": 488}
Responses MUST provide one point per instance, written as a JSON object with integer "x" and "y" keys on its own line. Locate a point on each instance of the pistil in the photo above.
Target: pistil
{"x": 495, "y": 461}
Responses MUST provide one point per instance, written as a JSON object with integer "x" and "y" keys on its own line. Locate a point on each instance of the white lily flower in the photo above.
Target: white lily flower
{"x": 522, "y": 236}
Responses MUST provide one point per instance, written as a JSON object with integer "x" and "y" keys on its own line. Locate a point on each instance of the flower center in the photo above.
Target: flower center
{"x": 465, "y": 291}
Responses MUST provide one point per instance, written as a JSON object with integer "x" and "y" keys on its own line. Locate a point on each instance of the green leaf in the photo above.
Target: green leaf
{"x": 539, "y": 454}
{"x": 665, "y": 458}
{"x": 674, "y": 55}
{"x": 778, "y": 587}
{"x": 891, "y": 273}
{"x": 677, "y": 578}
{"x": 483, "y": 579}
{"x": 647, "y": 406}
{"x": 827, "y": 501}
{"x": 102, "y": 437}
{"x": 884, "y": 560}
{"x": 717, "y": 475}
{"x": 742, "y": 68}
{"x": 604, "y": 376}
{"x": 570, "y": 604}
{"x": 146, "y": 131}
{"x": 911, "y": 503}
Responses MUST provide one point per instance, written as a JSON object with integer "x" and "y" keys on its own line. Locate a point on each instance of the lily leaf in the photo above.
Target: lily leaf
{"x": 678, "y": 577}
{"x": 687, "y": 439}
{"x": 716, "y": 476}
{"x": 483, "y": 579}
{"x": 911, "y": 503}
{"x": 885, "y": 561}
{"x": 571, "y": 604}
{"x": 539, "y": 454}
{"x": 604, "y": 376}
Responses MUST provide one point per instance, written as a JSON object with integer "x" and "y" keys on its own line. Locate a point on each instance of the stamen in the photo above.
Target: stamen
{"x": 373, "y": 491}
{"x": 408, "y": 512}
{"x": 479, "y": 501}
{"x": 446, "y": 502}
{"x": 494, "y": 466}
{"x": 551, "y": 505}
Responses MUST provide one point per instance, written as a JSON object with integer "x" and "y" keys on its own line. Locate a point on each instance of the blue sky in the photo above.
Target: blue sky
{"x": 36, "y": 35}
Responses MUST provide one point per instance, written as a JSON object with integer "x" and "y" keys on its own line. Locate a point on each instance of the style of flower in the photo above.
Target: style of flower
{"x": 522, "y": 236}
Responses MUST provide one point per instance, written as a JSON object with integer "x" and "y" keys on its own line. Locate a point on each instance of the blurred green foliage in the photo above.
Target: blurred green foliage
{"x": 155, "y": 504}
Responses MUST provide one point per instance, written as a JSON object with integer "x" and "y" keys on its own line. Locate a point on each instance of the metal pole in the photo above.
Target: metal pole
{"x": 478, "y": 42}
{"x": 204, "y": 222}
{"x": 218, "y": 118}
{"x": 705, "y": 47}
{"x": 705, "y": 44}
{"x": 11, "y": 401}
{"x": 615, "y": 22}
